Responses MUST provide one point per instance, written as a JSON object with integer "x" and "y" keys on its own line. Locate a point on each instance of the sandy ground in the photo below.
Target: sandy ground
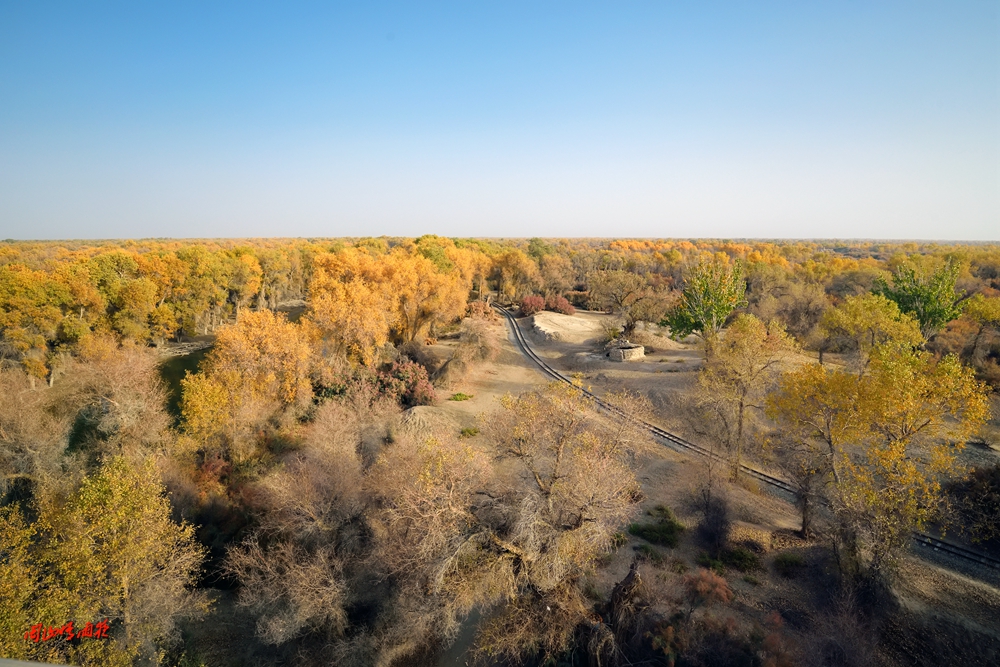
{"x": 572, "y": 344}
{"x": 577, "y": 329}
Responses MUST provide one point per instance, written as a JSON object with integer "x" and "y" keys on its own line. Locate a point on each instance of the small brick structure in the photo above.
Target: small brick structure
{"x": 622, "y": 350}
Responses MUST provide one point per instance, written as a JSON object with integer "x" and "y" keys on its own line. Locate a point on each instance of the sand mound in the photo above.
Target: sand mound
{"x": 427, "y": 419}
{"x": 580, "y": 328}
{"x": 653, "y": 336}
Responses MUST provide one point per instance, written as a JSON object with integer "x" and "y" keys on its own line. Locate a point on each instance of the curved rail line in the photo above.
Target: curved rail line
{"x": 679, "y": 443}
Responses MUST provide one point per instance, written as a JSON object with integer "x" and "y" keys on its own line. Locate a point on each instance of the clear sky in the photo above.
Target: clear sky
{"x": 649, "y": 119}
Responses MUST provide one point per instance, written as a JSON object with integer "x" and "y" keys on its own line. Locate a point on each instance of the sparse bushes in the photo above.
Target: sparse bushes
{"x": 478, "y": 341}
{"x": 741, "y": 558}
{"x": 610, "y": 331}
{"x": 558, "y": 304}
{"x": 577, "y": 298}
{"x": 665, "y": 531}
{"x": 709, "y": 563}
{"x": 650, "y": 555}
{"x": 738, "y": 558}
{"x": 705, "y": 588}
{"x": 469, "y": 432}
{"x": 843, "y": 638}
{"x": 459, "y": 397}
{"x": 480, "y": 310}
{"x": 618, "y": 540}
{"x": 531, "y": 305}
{"x": 753, "y": 538}
{"x": 709, "y": 638}
{"x": 788, "y": 564}
{"x": 419, "y": 353}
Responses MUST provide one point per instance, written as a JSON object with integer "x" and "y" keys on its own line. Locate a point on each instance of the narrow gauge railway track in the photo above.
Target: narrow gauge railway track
{"x": 678, "y": 443}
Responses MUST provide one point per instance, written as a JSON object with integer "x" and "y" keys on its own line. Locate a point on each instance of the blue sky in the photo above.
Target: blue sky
{"x": 666, "y": 119}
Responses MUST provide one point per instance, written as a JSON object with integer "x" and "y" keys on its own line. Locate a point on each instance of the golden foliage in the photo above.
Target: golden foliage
{"x": 109, "y": 551}
{"x": 738, "y": 373}
{"x": 257, "y": 367}
{"x": 868, "y": 320}
{"x": 267, "y": 353}
{"x": 350, "y": 303}
{"x": 357, "y": 300}
{"x": 886, "y": 439}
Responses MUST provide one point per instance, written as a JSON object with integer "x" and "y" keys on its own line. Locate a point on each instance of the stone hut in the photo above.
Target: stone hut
{"x": 622, "y": 350}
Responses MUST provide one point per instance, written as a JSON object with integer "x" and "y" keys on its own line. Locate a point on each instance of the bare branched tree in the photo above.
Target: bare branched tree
{"x": 311, "y": 527}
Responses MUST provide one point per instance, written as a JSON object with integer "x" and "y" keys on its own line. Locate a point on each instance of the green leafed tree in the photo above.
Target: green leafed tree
{"x": 712, "y": 291}
{"x": 932, "y": 300}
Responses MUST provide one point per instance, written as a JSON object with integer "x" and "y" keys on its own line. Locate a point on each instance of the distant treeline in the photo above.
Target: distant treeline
{"x": 54, "y": 294}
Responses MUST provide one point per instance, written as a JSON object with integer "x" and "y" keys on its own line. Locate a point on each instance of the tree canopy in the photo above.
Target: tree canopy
{"x": 932, "y": 300}
{"x": 712, "y": 291}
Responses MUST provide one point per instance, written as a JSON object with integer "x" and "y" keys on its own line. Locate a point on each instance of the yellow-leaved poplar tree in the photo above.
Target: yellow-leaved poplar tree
{"x": 108, "y": 551}
{"x": 886, "y": 440}
{"x": 736, "y": 378}
{"x": 352, "y": 304}
{"x": 259, "y": 367}
{"x": 862, "y": 322}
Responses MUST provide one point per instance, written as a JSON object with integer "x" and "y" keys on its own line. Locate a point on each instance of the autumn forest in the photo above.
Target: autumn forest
{"x": 333, "y": 452}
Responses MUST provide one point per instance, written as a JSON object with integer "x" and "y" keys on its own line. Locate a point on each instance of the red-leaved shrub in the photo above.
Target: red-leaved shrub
{"x": 559, "y": 304}
{"x": 408, "y": 383}
{"x": 531, "y": 305}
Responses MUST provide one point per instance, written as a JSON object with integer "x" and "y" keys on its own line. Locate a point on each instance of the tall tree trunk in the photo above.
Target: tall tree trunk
{"x": 737, "y": 460}
{"x": 805, "y": 502}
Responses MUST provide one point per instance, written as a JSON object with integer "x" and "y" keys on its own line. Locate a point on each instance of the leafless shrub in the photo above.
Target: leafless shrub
{"x": 610, "y": 330}
{"x": 119, "y": 389}
{"x": 418, "y": 352}
{"x": 478, "y": 341}
{"x": 534, "y": 624}
{"x": 481, "y": 310}
{"x": 625, "y": 608}
{"x": 32, "y": 439}
{"x": 842, "y": 638}
{"x": 713, "y": 529}
{"x": 311, "y": 522}
{"x": 290, "y": 589}
{"x": 628, "y": 424}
